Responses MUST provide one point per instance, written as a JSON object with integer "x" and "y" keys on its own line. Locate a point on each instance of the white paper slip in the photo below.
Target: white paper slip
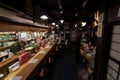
{"x": 48, "y": 47}
{"x": 16, "y": 78}
{"x": 42, "y": 52}
{"x": 29, "y": 48}
{"x": 1, "y": 75}
{"x": 32, "y": 61}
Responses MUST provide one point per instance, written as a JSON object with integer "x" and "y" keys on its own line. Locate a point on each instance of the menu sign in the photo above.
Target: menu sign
{"x": 100, "y": 24}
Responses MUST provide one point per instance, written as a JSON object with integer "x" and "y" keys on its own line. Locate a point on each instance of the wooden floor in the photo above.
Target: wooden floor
{"x": 65, "y": 67}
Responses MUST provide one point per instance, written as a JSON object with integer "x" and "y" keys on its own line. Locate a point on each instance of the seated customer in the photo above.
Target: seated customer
{"x": 17, "y": 47}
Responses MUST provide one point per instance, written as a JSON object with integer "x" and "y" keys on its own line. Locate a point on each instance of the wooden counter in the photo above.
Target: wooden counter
{"x": 28, "y": 70}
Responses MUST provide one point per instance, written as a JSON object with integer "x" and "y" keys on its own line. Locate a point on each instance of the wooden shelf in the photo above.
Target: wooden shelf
{"x": 8, "y": 34}
{"x": 8, "y": 40}
{"x": 12, "y": 59}
{"x": 3, "y": 48}
{"x": 7, "y": 47}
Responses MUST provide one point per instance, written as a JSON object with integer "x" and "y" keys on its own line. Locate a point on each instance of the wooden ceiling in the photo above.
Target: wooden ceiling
{"x": 73, "y": 10}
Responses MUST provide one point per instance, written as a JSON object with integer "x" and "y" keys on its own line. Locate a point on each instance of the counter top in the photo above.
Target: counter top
{"x": 27, "y": 68}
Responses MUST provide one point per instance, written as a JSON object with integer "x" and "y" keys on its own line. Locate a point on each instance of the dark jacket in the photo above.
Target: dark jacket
{"x": 15, "y": 48}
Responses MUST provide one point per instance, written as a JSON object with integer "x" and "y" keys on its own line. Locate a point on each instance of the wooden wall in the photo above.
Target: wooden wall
{"x": 107, "y": 64}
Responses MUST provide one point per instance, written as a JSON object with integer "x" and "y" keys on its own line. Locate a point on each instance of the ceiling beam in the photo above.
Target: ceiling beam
{"x": 84, "y": 3}
{"x": 59, "y": 4}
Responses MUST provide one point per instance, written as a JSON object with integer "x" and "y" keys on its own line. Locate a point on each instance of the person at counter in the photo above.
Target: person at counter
{"x": 17, "y": 47}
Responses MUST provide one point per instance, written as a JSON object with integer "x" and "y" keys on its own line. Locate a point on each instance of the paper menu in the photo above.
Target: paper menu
{"x": 32, "y": 61}
{"x": 16, "y": 78}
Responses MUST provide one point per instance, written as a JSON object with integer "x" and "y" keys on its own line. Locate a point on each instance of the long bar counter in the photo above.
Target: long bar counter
{"x": 28, "y": 70}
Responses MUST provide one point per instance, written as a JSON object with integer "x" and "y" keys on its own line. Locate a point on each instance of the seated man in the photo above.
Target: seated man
{"x": 17, "y": 47}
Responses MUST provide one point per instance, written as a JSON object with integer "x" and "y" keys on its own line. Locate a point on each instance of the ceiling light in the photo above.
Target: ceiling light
{"x": 61, "y": 12}
{"x": 44, "y": 17}
{"x": 53, "y": 23}
{"x": 75, "y": 25}
{"x": 83, "y": 23}
{"x": 57, "y": 25}
{"x": 46, "y": 26}
{"x": 76, "y": 14}
{"x": 61, "y": 21}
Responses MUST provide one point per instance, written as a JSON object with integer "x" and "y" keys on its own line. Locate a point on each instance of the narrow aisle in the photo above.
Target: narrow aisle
{"x": 66, "y": 68}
